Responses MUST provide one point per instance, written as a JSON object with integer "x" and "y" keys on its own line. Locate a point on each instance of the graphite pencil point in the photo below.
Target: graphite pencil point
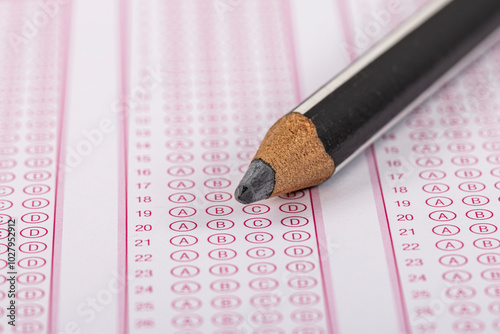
{"x": 257, "y": 183}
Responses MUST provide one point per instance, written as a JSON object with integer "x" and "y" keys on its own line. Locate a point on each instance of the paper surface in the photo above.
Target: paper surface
{"x": 127, "y": 125}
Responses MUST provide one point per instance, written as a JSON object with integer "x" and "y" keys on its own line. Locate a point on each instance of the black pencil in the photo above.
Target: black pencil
{"x": 351, "y": 111}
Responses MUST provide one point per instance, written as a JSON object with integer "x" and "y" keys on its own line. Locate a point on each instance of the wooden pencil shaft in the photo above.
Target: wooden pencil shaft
{"x": 354, "y": 112}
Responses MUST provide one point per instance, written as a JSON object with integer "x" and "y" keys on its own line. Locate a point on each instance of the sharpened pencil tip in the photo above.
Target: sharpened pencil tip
{"x": 257, "y": 183}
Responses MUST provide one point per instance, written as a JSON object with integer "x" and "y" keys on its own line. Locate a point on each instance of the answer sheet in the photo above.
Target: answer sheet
{"x": 126, "y": 125}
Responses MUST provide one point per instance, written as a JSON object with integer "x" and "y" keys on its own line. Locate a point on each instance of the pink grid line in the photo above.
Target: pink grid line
{"x": 390, "y": 253}
{"x": 402, "y": 313}
{"x": 59, "y": 188}
{"x": 123, "y": 314}
{"x": 319, "y": 226}
{"x": 293, "y": 56}
{"x": 317, "y": 212}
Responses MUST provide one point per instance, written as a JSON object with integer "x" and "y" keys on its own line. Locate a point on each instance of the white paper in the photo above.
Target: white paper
{"x": 156, "y": 107}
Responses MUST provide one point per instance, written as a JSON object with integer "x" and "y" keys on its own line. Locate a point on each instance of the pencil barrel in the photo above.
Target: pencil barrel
{"x": 354, "y": 112}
